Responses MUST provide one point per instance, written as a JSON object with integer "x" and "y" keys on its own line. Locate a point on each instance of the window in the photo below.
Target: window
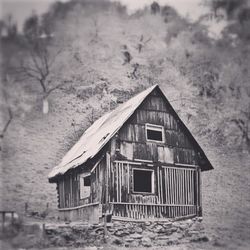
{"x": 154, "y": 133}
{"x": 143, "y": 181}
{"x": 85, "y": 183}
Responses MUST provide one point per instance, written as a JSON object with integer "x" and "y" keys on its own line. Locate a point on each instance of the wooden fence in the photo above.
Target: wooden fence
{"x": 152, "y": 211}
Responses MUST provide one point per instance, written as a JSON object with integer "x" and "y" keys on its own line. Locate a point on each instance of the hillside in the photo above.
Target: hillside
{"x": 108, "y": 56}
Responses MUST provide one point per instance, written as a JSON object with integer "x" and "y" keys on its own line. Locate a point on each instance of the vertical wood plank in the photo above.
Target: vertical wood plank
{"x": 116, "y": 181}
{"x": 200, "y": 190}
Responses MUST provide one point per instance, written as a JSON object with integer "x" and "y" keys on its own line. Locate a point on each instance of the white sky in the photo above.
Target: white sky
{"x": 20, "y": 9}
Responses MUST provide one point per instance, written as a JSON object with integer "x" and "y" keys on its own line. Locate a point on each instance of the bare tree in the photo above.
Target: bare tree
{"x": 38, "y": 65}
{"x": 5, "y": 128}
{"x": 142, "y": 43}
{"x": 7, "y": 106}
{"x": 243, "y": 124}
{"x": 40, "y": 57}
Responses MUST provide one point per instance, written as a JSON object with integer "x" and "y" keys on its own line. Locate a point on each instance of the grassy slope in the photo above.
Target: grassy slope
{"x": 34, "y": 144}
{"x": 226, "y": 196}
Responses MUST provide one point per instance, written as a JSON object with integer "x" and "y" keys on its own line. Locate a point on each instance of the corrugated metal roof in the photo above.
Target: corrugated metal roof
{"x": 97, "y": 135}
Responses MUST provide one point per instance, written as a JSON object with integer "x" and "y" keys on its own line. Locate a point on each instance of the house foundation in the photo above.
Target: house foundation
{"x": 127, "y": 234}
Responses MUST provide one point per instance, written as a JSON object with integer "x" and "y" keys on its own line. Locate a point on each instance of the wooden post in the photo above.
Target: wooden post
{"x": 200, "y": 192}
{"x": 197, "y": 191}
{"x": 106, "y": 195}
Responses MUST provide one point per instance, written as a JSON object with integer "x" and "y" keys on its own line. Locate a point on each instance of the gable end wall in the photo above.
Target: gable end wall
{"x": 130, "y": 142}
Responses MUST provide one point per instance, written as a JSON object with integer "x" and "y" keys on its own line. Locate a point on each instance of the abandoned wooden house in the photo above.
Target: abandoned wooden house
{"x": 138, "y": 162}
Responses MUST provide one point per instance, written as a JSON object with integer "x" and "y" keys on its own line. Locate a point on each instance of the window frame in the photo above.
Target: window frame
{"x": 82, "y": 176}
{"x": 154, "y": 127}
{"x": 152, "y": 181}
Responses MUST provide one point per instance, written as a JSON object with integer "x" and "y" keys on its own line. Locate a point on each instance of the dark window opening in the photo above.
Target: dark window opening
{"x": 143, "y": 181}
{"x": 154, "y": 135}
{"x": 86, "y": 181}
{"x": 154, "y": 132}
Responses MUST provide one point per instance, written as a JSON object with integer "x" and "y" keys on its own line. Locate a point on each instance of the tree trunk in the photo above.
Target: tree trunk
{"x": 45, "y": 105}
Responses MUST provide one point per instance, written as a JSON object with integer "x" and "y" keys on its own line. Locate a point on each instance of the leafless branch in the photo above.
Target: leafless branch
{"x": 54, "y": 57}
{"x": 7, "y": 123}
{"x": 33, "y": 58}
{"x": 39, "y": 65}
{"x": 9, "y": 113}
{"x": 240, "y": 123}
{"x": 143, "y": 43}
{"x": 54, "y": 88}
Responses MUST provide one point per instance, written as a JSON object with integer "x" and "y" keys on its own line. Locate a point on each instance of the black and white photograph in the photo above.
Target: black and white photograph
{"x": 125, "y": 124}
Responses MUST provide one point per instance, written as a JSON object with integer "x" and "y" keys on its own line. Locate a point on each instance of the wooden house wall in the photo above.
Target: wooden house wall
{"x": 68, "y": 190}
{"x": 176, "y": 191}
{"x": 131, "y": 140}
{"x": 175, "y": 186}
{"x": 98, "y": 182}
{"x": 172, "y": 185}
{"x": 68, "y": 187}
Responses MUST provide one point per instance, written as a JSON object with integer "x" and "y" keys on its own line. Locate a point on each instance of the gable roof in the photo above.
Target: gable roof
{"x": 102, "y": 130}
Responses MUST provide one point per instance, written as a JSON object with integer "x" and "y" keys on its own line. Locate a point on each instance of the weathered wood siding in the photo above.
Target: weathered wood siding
{"x": 68, "y": 187}
{"x": 176, "y": 174}
{"x": 68, "y": 190}
{"x": 131, "y": 142}
{"x": 176, "y": 191}
{"x": 173, "y": 161}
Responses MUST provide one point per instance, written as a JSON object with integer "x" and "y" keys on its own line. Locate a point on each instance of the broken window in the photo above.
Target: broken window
{"x": 85, "y": 183}
{"x": 154, "y": 133}
{"x": 143, "y": 181}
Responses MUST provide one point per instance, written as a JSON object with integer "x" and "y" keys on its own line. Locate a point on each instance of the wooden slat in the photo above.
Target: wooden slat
{"x": 151, "y": 204}
{"x": 200, "y": 190}
{"x": 158, "y": 186}
{"x": 177, "y": 188}
{"x": 161, "y": 189}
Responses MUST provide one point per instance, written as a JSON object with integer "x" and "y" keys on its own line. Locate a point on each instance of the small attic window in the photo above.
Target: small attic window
{"x": 154, "y": 133}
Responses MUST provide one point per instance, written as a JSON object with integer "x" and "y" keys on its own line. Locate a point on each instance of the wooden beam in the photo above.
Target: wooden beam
{"x": 152, "y": 204}
{"x": 128, "y": 162}
{"x": 186, "y": 165}
{"x": 78, "y": 207}
{"x": 118, "y": 218}
{"x": 94, "y": 167}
